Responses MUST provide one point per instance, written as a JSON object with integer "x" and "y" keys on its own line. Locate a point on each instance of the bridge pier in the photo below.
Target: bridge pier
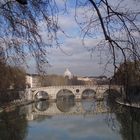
{"x": 28, "y": 94}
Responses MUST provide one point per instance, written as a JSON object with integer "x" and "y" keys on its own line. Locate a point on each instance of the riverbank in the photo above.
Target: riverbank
{"x": 132, "y": 104}
{"x": 12, "y": 105}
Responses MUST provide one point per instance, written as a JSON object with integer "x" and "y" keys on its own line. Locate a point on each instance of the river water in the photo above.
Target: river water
{"x": 85, "y": 120}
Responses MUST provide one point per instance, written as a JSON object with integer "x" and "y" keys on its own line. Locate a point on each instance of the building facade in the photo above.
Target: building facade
{"x": 32, "y": 80}
{"x": 68, "y": 74}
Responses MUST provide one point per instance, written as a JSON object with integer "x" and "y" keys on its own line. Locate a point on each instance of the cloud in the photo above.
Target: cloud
{"x": 67, "y": 22}
{"x": 76, "y": 57}
{"x": 126, "y": 4}
{"x": 72, "y": 53}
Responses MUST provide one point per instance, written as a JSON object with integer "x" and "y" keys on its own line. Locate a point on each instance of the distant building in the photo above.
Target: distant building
{"x": 68, "y": 74}
{"x": 99, "y": 79}
{"x": 33, "y": 80}
{"x": 87, "y": 80}
{"x": 94, "y": 79}
{"x": 102, "y": 77}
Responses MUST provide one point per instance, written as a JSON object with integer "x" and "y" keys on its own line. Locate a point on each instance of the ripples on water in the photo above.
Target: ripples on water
{"x": 85, "y": 120}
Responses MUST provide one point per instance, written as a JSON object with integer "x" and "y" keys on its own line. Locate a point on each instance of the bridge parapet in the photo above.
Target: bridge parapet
{"x": 75, "y": 86}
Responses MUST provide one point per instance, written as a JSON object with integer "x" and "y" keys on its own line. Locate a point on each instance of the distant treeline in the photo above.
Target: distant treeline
{"x": 58, "y": 80}
{"x": 12, "y": 80}
{"x": 11, "y": 77}
{"x": 8, "y": 96}
{"x": 128, "y": 73}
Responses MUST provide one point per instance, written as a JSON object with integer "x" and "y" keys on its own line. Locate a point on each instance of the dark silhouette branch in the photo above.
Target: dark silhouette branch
{"x": 23, "y": 2}
{"x": 100, "y": 18}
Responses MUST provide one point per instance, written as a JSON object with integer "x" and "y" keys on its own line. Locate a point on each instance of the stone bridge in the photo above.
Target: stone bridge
{"x": 52, "y": 91}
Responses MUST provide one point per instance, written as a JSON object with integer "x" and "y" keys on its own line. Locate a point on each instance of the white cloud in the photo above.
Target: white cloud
{"x": 67, "y": 22}
{"x": 127, "y": 4}
{"x": 72, "y": 53}
{"x": 76, "y": 57}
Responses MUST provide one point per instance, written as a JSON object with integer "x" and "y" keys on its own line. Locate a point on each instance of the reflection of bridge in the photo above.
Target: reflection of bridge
{"x": 77, "y": 91}
{"x": 85, "y": 108}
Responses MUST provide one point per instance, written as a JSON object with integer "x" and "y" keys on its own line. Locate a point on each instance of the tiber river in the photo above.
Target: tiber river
{"x": 85, "y": 120}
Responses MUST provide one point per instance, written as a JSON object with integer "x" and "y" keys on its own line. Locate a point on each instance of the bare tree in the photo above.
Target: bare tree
{"x": 119, "y": 25}
{"x": 22, "y": 1}
{"x": 20, "y": 32}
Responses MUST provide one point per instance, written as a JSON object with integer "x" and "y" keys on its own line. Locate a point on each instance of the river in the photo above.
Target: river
{"x": 85, "y": 120}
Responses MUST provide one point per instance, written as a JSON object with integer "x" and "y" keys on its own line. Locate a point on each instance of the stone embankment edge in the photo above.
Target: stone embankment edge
{"x": 13, "y": 105}
{"x": 134, "y": 105}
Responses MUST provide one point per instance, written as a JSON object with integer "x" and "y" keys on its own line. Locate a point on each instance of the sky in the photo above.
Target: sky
{"x": 86, "y": 59}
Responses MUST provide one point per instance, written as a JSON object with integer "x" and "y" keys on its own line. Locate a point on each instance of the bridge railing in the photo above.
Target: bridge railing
{"x": 76, "y": 86}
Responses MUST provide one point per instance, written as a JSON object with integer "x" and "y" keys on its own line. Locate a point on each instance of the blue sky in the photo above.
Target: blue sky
{"x": 86, "y": 57}
{"x": 71, "y": 53}
{"x": 81, "y": 60}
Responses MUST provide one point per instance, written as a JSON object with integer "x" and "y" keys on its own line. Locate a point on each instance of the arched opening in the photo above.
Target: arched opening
{"x": 88, "y": 94}
{"x": 41, "y": 95}
{"x": 65, "y": 95}
{"x": 42, "y": 105}
{"x": 111, "y": 94}
{"x": 65, "y": 100}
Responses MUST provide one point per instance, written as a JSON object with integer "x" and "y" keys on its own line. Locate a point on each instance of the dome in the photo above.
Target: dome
{"x": 67, "y": 73}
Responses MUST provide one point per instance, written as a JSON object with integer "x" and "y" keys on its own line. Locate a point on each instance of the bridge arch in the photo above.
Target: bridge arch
{"x": 65, "y": 95}
{"x": 88, "y": 94}
{"x": 41, "y": 95}
{"x": 75, "y": 92}
{"x": 112, "y": 92}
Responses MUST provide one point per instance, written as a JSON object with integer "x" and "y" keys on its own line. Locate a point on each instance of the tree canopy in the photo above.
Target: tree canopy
{"x": 11, "y": 77}
{"x": 133, "y": 71}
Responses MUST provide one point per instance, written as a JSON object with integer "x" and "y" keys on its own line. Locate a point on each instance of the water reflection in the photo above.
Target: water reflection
{"x": 88, "y": 119}
{"x": 88, "y": 105}
{"x": 42, "y": 105}
{"x": 13, "y": 125}
{"x": 129, "y": 120}
{"x": 69, "y": 107}
{"x": 65, "y": 106}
